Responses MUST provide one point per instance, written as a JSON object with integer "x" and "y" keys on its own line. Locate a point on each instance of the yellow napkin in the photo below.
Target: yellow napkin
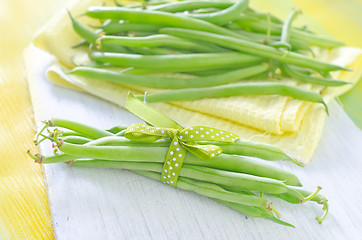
{"x": 290, "y": 124}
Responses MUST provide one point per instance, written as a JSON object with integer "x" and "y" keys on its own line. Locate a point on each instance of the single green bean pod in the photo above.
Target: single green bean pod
{"x": 169, "y": 83}
{"x": 237, "y": 89}
{"x": 254, "y": 48}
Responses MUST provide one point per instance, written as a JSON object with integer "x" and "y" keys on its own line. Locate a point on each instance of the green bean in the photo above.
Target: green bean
{"x": 211, "y": 72}
{"x": 253, "y": 48}
{"x": 118, "y": 4}
{"x": 176, "y": 62}
{"x": 89, "y": 131}
{"x": 190, "y": 72}
{"x": 156, "y": 17}
{"x": 262, "y": 38}
{"x": 224, "y": 16}
{"x": 139, "y": 33}
{"x": 254, "y": 211}
{"x": 157, "y": 2}
{"x": 205, "y": 10}
{"x": 310, "y": 79}
{"x": 239, "y": 147}
{"x": 86, "y": 33}
{"x": 233, "y": 180}
{"x": 284, "y": 38}
{"x": 151, "y": 51}
{"x": 90, "y": 36}
{"x": 122, "y": 141}
{"x": 76, "y": 139}
{"x": 223, "y": 178}
{"x": 160, "y": 40}
{"x": 80, "y": 44}
{"x": 191, "y": 5}
{"x": 237, "y": 89}
{"x": 117, "y": 129}
{"x": 112, "y": 27}
{"x": 169, "y": 83}
{"x": 297, "y": 34}
{"x": 254, "y": 149}
{"x": 73, "y": 134}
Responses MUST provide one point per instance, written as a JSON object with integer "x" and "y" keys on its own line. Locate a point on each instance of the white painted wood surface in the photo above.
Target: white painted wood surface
{"x": 117, "y": 204}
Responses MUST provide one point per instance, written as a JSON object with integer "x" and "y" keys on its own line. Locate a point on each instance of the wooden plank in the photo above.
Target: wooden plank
{"x": 117, "y": 204}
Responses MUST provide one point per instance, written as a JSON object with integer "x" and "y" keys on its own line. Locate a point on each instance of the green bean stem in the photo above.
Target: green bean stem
{"x": 237, "y": 89}
{"x": 169, "y": 83}
{"x": 253, "y": 48}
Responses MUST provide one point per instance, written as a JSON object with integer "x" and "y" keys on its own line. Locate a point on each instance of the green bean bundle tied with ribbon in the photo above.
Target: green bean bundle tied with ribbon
{"x": 190, "y": 158}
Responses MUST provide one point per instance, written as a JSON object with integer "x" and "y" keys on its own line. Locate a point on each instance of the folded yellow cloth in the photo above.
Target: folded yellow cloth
{"x": 290, "y": 124}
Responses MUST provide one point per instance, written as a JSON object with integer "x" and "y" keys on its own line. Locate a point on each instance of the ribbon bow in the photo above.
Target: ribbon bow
{"x": 182, "y": 139}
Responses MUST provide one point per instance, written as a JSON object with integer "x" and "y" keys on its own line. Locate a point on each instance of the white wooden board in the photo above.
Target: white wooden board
{"x": 117, "y": 204}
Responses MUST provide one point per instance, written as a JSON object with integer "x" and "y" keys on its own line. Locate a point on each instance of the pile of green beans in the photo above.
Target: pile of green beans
{"x": 234, "y": 178}
{"x": 214, "y": 42}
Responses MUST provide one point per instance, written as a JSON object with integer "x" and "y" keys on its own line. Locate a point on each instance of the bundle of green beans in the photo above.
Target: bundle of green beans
{"x": 216, "y": 43}
{"x": 233, "y": 178}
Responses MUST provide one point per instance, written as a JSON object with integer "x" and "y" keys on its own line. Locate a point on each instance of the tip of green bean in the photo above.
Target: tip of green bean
{"x": 275, "y": 219}
{"x": 70, "y": 16}
{"x": 346, "y": 69}
{"x": 325, "y": 208}
{"x": 68, "y": 71}
{"x": 326, "y": 107}
{"x": 296, "y": 162}
{"x": 93, "y": 26}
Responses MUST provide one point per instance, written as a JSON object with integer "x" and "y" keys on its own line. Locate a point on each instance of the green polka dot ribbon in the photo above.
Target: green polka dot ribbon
{"x": 182, "y": 139}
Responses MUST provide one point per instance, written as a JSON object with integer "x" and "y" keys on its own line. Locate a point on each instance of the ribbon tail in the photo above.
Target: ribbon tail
{"x": 173, "y": 163}
{"x": 204, "y": 152}
{"x": 148, "y": 114}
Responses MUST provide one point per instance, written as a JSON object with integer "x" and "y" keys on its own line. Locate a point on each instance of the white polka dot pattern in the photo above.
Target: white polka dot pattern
{"x": 199, "y": 133}
{"x": 182, "y": 140}
{"x": 173, "y": 163}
